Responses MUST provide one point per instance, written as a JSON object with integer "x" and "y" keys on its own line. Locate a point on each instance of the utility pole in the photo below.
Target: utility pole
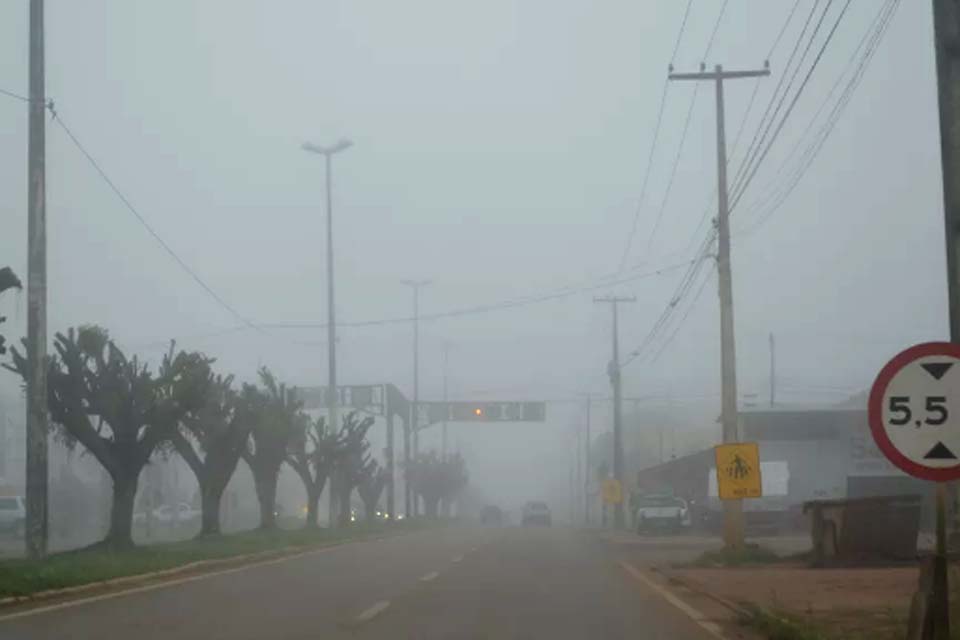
{"x": 36, "y": 440}
{"x": 614, "y": 371}
{"x": 773, "y": 370}
{"x": 332, "y": 397}
{"x": 733, "y": 509}
{"x": 946, "y": 34}
{"x": 586, "y": 475}
{"x": 415, "y": 406}
{"x": 443, "y": 427}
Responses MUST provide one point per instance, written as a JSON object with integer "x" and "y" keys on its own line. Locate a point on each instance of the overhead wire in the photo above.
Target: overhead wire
{"x": 653, "y": 144}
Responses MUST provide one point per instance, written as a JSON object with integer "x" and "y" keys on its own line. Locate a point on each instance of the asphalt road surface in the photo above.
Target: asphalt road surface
{"x": 508, "y": 583}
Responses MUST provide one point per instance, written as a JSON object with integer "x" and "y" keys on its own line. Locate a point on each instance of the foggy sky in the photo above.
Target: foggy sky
{"x": 499, "y": 151}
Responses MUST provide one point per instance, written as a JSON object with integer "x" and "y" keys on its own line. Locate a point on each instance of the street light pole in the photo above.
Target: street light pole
{"x": 332, "y": 397}
{"x": 414, "y": 409}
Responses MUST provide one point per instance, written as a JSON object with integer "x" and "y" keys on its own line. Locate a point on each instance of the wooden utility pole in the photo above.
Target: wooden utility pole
{"x": 36, "y": 454}
{"x": 946, "y": 30}
{"x": 614, "y": 371}
{"x": 733, "y": 509}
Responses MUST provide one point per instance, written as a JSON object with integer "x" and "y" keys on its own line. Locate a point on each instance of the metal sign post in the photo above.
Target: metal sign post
{"x": 914, "y": 415}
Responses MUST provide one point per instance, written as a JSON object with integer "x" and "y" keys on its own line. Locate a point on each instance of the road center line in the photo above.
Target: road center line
{"x": 373, "y": 610}
{"x": 458, "y": 559}
{"x": 710, "y": 627}
{"x": 430, "y": 576}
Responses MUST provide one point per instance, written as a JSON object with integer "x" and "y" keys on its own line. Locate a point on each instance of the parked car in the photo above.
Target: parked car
{"x": 164, "y": 514}
{"x": 491, "y": 514}
{"x": 536, "y": 513}
{"x": 661, "y": 512}
{"x": 13, "y": 515}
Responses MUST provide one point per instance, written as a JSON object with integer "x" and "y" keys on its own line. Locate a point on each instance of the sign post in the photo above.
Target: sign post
{"x": 914, "y": 416}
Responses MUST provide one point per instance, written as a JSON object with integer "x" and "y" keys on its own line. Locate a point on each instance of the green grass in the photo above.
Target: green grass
{"x": 779, "y": 626}
{"x": 24, "y": 577}
{"x": 750, "y": 554}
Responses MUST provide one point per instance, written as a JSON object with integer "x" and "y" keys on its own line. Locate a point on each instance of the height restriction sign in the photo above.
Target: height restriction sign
{"x": 914, "y": 411}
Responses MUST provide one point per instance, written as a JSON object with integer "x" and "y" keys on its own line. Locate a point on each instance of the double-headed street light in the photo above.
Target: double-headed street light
{"x": 332, "y": 400}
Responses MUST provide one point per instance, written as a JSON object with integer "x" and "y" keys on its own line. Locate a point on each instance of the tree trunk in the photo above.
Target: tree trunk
{"x": 345, "y": 510}
{"x": 266, "y": 485}
{"x": 120, "y": 535}
{"x": 369, "y": 506}
{"x": 210, "y": 495}
{"x": 430, "y": 506}
{"x": 313, "y": 506}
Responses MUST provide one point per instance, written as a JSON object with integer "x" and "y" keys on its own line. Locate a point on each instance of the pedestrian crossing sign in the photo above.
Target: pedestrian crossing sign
{"x": 738, "y": 470}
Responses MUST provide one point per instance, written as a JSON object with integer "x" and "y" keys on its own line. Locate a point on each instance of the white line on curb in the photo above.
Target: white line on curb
{"x": 372, "y": 611}
{"x": 711, "y": 627}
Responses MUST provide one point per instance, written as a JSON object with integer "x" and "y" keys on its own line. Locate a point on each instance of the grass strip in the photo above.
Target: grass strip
{"x": 22, "y": 577}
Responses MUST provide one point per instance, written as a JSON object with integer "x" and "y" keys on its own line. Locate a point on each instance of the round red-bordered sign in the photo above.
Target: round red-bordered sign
{"x": 875, "y": 414}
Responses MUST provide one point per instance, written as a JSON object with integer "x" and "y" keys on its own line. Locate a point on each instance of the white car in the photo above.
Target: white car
{"x": 164, "y": 514}
{"x": 661, "y": 512}
{"x": 13, "y": 515}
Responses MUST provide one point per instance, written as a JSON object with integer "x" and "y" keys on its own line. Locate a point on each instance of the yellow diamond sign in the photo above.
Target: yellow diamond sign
{"x": 738, "y": 470}
{"x": 611, "y": 491}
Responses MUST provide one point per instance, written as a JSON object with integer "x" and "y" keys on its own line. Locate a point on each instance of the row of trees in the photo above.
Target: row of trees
{"x": 124, "y": 414}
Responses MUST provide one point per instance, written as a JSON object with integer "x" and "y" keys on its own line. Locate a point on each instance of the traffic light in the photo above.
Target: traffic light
{"x": 478, "y": 412}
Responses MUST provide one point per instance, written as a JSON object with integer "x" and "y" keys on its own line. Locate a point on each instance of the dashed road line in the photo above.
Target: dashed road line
{"x": 430, "y": 576}
{"x": 372, "y": 611}
{"x": 458, "y": 559}
{"x": 711, "y": 627}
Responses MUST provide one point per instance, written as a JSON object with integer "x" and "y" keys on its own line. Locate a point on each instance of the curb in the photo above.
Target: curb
{"x": 695, "y": 587}
{"x": 212, "y": 563}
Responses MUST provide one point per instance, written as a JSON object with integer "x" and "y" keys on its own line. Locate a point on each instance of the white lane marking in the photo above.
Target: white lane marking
{"x": 430, "y": 576}
{"x": 458, "y": 559}
{"x": 711, "y": 627}
{"x": 373, "y": 610}
{"x": 472, "y": 549}
{"x": 160, "y": 585}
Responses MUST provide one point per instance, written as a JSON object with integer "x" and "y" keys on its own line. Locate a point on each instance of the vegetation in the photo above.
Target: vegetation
{"x": 8, "y": 280}
{"x": 373, "y": 479}
{"x": 352, "y": 459}
{"x": 311, "y": 453}
{"x": 437, "y": 479}
{"x": 749, "y": 554}
{"x": 117, "y": 409}
{"x": 780, "y": 627}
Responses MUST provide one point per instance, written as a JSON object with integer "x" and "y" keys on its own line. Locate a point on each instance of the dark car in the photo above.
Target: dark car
{"x": 491, "y": 514}
{"x": 536, "y": 513}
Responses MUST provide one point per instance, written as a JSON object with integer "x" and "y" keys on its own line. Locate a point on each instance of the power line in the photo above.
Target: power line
{"x": 146, "y": 225}
{"x": 793, "y": 103}
{"x": 783, "y": 29}
{"x": 683, "y": 319}
{"x": 716, "y": 27}
{"x": 653, "y": 144}
{"x": 16, "y": 96}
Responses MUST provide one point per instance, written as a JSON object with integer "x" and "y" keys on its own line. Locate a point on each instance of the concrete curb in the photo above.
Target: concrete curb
{"x": 204, "y": 565}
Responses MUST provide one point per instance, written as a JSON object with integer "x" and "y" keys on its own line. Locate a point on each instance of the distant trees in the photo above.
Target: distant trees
{"x": 8, "y": 280}
{"x": 278, "y": 420}
{"x": 437, "y": 479}
{"x": 373, "y": 479}
{"x": 211, "y": 439}
{"x": 351, "y": 460}
{"x": 117, "y": 409}
{"x": 312, "y": 453}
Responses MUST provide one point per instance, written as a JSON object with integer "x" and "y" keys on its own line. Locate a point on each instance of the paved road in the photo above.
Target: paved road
{"x": 506, "y": 583}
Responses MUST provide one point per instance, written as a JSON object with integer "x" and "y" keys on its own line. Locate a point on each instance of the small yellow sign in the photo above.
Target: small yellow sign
{"x": 612, "y": 493}
{"x": 738, "y": 470}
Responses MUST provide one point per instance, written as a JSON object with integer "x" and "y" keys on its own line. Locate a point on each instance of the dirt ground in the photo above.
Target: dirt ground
{"x": 847, "y": 603}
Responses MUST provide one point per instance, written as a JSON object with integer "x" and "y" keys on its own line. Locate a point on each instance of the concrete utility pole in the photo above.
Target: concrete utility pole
{"x": 614, "y": 372}
{"x": 586, "y": 475}
{"x": 733, "y": 509}
{"x": 773, "y": 370}
{"x": 415, "y": 405}
{"x": 946, "y": 30}
{"x": 332, "y": 398}
{"x": 36, "y": 463}
{"x": 443, "y": 426}
{"x": 391, "y": 497}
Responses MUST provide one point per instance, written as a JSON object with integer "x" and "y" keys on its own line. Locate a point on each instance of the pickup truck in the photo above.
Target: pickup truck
{"x": 661, "y": 512}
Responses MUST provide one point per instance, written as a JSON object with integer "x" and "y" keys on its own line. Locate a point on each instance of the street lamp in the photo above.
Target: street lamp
{"x": 414, "y": 408}
{"x": 332, "y": 399}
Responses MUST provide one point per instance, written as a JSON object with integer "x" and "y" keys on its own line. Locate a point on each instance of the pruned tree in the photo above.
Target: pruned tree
{"x": 211, "y": 440}
{"x": 352, "y": 457}
{"x": 117, "y": 409}
{"x": 312, "y": 454}
{"x": 277, "y": 420}
{"x": 373, "y": 479}
{"x": 8, "y": 280}
{"x": 437, "y": 479}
